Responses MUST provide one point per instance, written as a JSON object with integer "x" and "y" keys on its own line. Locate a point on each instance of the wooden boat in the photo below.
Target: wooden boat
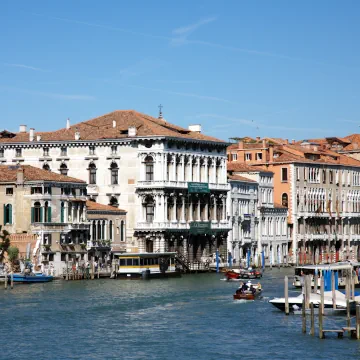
{"x": 248, "y": 294}
{"x": 31, "y": 278}
{"x": 243, "y": 274}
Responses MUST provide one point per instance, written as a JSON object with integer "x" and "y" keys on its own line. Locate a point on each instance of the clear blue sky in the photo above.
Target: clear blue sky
{"x": 268, "y": 68}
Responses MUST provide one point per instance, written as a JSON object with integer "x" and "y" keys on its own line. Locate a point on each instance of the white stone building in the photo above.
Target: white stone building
{"x": 258, "y": 224}
{"x": 145, "y": 164}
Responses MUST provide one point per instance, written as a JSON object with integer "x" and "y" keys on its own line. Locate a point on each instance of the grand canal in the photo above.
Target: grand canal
{"x": 193, "y": 317}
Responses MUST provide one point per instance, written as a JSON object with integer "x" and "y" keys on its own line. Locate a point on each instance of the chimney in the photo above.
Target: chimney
{"x": 195, "y": 128}
{"x": 77, "y": 135}
{"x": 271, "y": 152}
{"x": 67, "y": 124}
{"x": 286, "y": 141}
{"x": 258, "y": 138}
{"x": 293, "y": 141}
{"x": 38, "y": 138}
{"x": 132, "y": 131}
{"x": 20, "y": 176}
{"x": 241, "y": 144}
{"x": 114, "y": 123}
{"x": 22, "y": 129}
{"x": 264, "y": 143}
{"x": 32, "y": 134}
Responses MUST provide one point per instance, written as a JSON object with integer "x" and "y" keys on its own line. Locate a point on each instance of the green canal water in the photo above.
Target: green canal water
{"x": 193, "y": 317}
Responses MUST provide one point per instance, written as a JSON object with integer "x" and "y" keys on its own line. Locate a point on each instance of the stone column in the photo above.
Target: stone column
{"x": 162, "y": 243}
{"x": 206, "y": 209}
{"x": 224, "y": 209}
{"x": 206, "y": 170}
{"x": 191, "y": 209}
{"x": 190, "y": 178}
{"x": 105, "y": 230}
{"x": 164, "y": 160}
{"x": 198, "y": 169}
{"x": 215, "y": 210}
{"x": 91, "y": 231}
{"x": 182, "y": 177}
{"x": 198, "y": 210}
{"x": 174, "y": 219}
{"x": 183, "y": 210}
{"x": 174, "y": 168}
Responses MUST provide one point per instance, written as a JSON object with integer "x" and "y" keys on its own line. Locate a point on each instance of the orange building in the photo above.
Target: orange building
{"x": 321, "y": 189}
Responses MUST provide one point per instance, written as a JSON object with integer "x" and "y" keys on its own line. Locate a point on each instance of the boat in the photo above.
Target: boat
{"x": 295, "y": 303}
{"x": 243, "y": 274}
{"x": 30, "y": 278}
{"x": 146, "y": 265}
{"x": 341, "y": 268}
{"x": 247, "y": 294}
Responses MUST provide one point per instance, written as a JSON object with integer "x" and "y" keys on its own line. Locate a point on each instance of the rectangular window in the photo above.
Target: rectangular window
{"x": 129, "y": 262}
{"x": 1, "y": 153}
{"x": 258, "y": 156}
{"x": 18, "y": 152}
{"x": 63, "y": 151}
{"x": 47, "y": 190}
{"x": 233, "y": 157}
{"x": 46, "y": 151}
{"x": 113, "y": 150}
{"x": 9, "y": 191}
{"x": 122, "y": 262}
{"x": 297, "y": 174}
{"x": 36, "y": 190}
{"x": 92, "y": 150}
{"x": 284, "y": 174}
{"x": 150, "y": 213}
{"x": 149, "y": 172}
{"x": 248, "y": 156}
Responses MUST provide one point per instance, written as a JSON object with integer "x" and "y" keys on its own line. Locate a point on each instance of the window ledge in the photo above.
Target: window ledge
{"x": 113, "y": 157}
{"x": 91, "y": 157}
{"x": 45, "y": 158}
{"x": 62, "y": 158}
{"x": 18, "y": 159}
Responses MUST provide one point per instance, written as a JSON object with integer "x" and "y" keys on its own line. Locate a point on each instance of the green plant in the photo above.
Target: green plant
{"x": 13, "y": 253}
{"x": 4, "y": 243}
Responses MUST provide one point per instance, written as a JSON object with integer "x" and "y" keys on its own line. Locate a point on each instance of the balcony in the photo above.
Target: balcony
{"x": 176, "y": 184}
{"x": 172, "y": 225}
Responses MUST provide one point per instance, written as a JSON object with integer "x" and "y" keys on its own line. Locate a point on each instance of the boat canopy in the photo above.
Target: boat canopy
{"x": 334, "y": 266}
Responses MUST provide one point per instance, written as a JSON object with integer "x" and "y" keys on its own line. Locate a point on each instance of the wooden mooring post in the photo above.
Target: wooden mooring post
{"x": 307, "y": 289}
{"x": 303, "y": 311}
{"x": 6, "y": 280}
{"x": 92, "y": 268}
{"x": 67, "y": 267}
{"x": 11, "y": 280}
{"x": 352, "y": 286}
{"x": 312, "y": 320}
{"x": 316, "y": 277}
{"x": 333, "y": 289}
{"x": 286, "y": 291}
{"x": 321, "y": 309}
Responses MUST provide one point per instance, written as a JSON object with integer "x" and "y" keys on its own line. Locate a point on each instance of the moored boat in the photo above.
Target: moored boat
{"x": 31, "y": 278}
{"x": 243, "y": 274}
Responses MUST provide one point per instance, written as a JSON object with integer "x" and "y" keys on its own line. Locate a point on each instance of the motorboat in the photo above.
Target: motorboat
{"x": 251, "y": 292}
{"x": 243, "y": 274}
{"x": 295, "y": 303}
{"x": 31, "y": 278}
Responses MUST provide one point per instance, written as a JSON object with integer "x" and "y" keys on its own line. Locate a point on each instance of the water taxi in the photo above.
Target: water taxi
{"x": 146, "y": 265}
{"x": 247, "y": 291}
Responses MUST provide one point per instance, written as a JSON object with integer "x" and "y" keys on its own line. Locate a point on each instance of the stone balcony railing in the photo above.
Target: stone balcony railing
{"x": 175, "y": 225}
{"x": 176, "y": 185}
{"x": 47, "y": 226}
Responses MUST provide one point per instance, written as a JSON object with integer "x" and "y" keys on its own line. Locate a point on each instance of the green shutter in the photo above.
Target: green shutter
{"x": 41, "y": 214}
{"x": 32, "y": 215}
{"x": 10, "y": 214}
{"x": 49, "y": 214}
{"x": 62, "y": 214}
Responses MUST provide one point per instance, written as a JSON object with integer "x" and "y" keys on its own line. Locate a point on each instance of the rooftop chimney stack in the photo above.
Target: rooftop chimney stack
{"x": 32, "y": 134}
{"x": 286, "y": 141}
{"x": 38, "y": 137}
{"x": 195, "y": 128}
{"x": 293, "y": 141}
{"x": 22, "y": 129}
{"x": 77, "y": 135}
{"x": 114, "y": 123}
{"x": 67, "y": 124}
{"x": 264, "y": 143}
{"x": 258, "y": 138}
{"x": 132, "y": 131}
{"x": 20, "y": 176}
{"x": 241, "y": 144}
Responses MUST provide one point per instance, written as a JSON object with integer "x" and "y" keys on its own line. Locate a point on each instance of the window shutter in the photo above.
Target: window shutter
{"x": 49, "y": 214}
{"x": 62, "y": 214}
{"x": 41, "y": 214}
{"x": 10, "y": 214}
{"x": 4, "y": 214}
{"x": 32, "y": 215}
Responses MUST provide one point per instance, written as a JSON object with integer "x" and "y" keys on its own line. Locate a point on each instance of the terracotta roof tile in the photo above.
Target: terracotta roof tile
{"x": 240, "y": 178}
{"x": 238, "y": 166}
{"x": 8, "y": 173}
{"x": 92, "y": 205}
{"x": 102, "y": 128}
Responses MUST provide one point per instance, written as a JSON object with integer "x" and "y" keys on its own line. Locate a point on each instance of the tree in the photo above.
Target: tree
{"x": 13, "y": 253}
{"x": 4, "y": 243}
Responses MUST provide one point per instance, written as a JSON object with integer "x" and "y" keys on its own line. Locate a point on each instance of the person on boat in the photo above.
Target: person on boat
{"x": 252, "y": 289}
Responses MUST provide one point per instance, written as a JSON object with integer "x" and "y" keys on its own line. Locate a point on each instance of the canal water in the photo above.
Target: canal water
{"x": 193, "y": 317}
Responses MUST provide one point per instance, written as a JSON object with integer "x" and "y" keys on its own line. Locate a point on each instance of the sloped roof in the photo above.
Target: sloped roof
{"x": 238, "y": 166}
{"x": 94, "y": 206}
{"x": 8, "y": 173}
{"x": 240, "y": 178}
{"x": 102, "y": 128}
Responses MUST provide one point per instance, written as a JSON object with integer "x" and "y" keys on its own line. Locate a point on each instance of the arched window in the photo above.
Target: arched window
{"x": 114, "y": 201}
{"x": 47, "y": 212}
{"x": 37, "y": 213}
{"x": 103, "y": 230}
{"x": 8, "y": 214}
{"x": 149, "y": 168}
{"x": 94, "y": 231}
{"x": 149, "y": 209}
{"x": 63, "y": 169}
{"x": 122, "y": 230}
{"x": 111, "y": 230}
{"x": 284, "y": 200}
{"x": 114, "y": 174}
{"x": 46, "y": 167}
{"x": 62, "y": 213}
{"x": 92, "y": 174}
{"x": 99, "y": 232}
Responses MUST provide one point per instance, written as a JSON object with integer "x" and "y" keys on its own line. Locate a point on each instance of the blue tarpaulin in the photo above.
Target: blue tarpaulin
{"x": 336, "y": 280}
{"x": 217, "y": 260}
{"x": 230, "y": 259}
{"x": 248, "y": 258}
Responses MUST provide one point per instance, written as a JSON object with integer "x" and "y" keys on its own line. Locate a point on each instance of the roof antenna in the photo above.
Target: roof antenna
{"x": 160, "y": 112}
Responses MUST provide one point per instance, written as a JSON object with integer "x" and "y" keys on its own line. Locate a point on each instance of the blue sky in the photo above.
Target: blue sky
{"x": 256, "y": 68}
